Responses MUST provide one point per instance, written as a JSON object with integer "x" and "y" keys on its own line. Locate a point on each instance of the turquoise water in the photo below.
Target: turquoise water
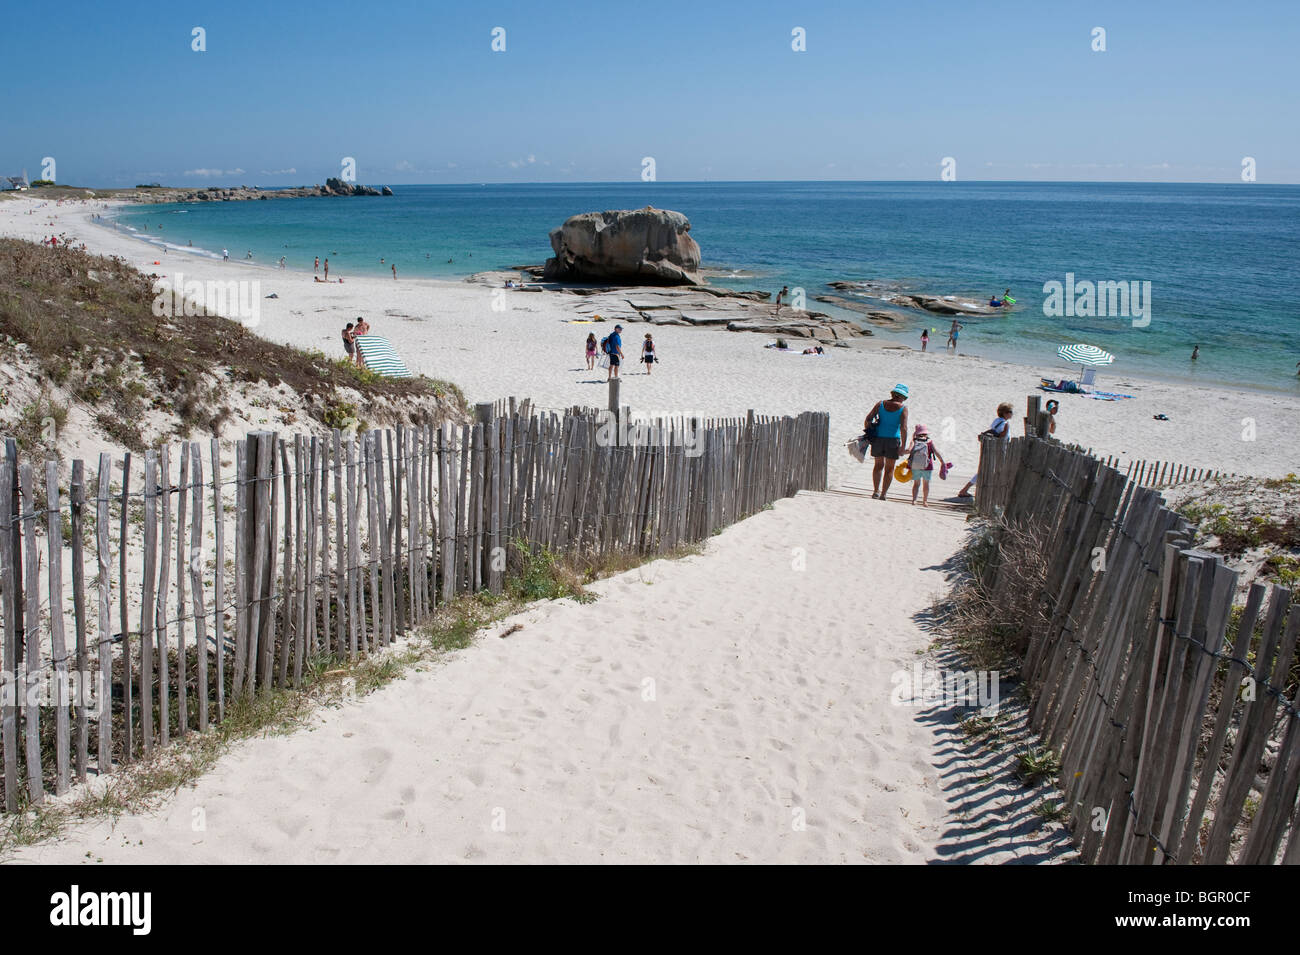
{"x": 1221, "y": 259}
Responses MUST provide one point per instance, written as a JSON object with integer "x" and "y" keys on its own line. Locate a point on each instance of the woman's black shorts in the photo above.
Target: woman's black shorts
{"x": 886, "y": 448}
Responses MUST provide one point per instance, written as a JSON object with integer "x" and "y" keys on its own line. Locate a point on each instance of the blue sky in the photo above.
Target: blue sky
{"x": 711, "y": 90}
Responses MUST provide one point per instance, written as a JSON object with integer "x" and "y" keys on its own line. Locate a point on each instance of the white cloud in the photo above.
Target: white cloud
{"x": 403, "y": 165}
{"x": 209, "y": 173}
{"x": 279, "y": 172}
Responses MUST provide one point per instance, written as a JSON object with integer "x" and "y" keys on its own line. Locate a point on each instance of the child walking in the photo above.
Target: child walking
{"x": 591, "y": 352}
{"x": 648, "y": 353}
{"x": 920, "y": 458}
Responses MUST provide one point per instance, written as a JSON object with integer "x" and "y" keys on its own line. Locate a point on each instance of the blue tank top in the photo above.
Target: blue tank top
{"x": 889, "y": 422}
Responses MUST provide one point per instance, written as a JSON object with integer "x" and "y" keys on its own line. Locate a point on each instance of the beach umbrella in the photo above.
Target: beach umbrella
{"x": 1085, "y": 356}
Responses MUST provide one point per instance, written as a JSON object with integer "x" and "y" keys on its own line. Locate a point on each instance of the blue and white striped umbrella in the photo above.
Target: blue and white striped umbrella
{"x": 380, "y": 356}
{"x": 1085, "y": 354}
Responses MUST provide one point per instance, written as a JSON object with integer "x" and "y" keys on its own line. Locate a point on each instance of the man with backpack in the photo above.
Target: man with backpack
{"x": 612, "y": 345}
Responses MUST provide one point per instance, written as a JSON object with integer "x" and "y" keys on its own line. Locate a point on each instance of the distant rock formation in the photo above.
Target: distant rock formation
{"x": 332, "y": 187}
{"x": 337, "y": 187}
{"x": 643, "y": 246}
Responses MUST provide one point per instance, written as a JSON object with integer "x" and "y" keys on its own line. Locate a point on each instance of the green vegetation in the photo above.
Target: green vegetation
{"x": 992, "y": 629}
{"x": 87, "y": 324}
{"x": 1037, "y": 763}
{"x": 38, "y": 427}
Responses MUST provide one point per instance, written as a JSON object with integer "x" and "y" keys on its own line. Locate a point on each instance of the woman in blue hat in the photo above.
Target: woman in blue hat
{"x": 890, "y": 418}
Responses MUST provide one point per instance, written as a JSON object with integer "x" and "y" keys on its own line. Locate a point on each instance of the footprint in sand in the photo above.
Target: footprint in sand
{"x": 376, "y": 760}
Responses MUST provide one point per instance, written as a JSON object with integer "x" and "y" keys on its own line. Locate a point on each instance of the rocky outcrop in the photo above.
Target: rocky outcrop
{"x": 337, "y": 187}
{"x": 332, "y": 187}
{"x": 699, "y": 308}
{"x": 935, "y": 304}
{"x": 879, "y": 316}
{"x": 643, "y": 247}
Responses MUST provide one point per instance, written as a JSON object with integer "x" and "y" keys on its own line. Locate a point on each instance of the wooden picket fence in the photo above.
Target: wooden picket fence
{"x": 1159, "y": 474}
{"x": 208, "y": 586}
{"x": 1161, "y": 716}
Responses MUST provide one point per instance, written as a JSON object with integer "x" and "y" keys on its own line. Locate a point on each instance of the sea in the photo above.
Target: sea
{"x": 1211, "y": 265}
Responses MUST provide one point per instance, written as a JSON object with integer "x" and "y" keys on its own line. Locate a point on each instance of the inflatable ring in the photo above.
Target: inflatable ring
{"x": 902, "y": 472}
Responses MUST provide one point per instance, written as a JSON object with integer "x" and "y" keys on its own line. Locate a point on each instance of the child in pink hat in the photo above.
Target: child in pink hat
{"x": 920, "y": 459}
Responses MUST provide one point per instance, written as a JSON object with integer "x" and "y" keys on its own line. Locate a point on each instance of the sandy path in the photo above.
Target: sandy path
{"x": 771, "y": 698}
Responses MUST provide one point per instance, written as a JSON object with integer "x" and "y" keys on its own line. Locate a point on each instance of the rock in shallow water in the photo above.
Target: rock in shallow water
{"x": 644, "y": 246}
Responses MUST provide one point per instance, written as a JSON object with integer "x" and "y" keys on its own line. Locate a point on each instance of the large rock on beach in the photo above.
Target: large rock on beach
{"x": 642, "y": 246}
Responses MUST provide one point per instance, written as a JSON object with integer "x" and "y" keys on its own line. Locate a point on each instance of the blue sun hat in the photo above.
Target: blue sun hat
{"x": 899, "y": 389}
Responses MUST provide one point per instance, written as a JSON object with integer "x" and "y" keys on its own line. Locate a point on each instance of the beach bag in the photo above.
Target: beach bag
{"x": 857, "y": 448}
{"x": 873, "y": 428}
{"x": 944, "y": 469}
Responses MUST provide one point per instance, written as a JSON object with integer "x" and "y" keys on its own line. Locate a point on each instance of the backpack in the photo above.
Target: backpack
{"x": 919, "y": 459}
{"x": 604, "y": 345}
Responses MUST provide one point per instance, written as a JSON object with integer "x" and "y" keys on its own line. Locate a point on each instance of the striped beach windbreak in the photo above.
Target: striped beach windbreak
{"x": 380, "y": 357}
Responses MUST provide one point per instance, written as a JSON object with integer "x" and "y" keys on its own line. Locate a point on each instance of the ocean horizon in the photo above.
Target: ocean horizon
{"x": 1207, "y": 264}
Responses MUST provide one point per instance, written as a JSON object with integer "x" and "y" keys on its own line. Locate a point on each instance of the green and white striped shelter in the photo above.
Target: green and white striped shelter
{"x": 380, "y": 357}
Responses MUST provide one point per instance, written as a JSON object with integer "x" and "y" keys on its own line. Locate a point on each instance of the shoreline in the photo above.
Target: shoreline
{"x": 881, "y": 334}
{"x": 525, "y": 344}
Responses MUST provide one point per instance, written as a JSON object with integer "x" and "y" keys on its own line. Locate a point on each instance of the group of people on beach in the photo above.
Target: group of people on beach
{"x": 612, "y": 345}
{"x": 885, "y": 434}
{"x": 351, "y": 332}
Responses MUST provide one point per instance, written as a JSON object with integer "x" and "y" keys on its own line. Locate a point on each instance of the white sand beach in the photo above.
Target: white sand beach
{"x": 770, "y": 656}
{"x": 727, "y": 708}
{"x": 450, "y": 330}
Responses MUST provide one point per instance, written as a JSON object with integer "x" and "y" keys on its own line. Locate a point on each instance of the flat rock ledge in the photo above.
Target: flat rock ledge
{"x": 935, "y": 304}
{"x": 696, "y": 306}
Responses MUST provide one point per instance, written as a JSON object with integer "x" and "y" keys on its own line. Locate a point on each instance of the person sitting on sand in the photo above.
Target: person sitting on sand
{"x": 1001, "y": 427}
{"x": 591, "y": 351}
{"x": 648, "y": 356}
{"x": 890, "y": 416}
{"x": 920, "y": 459}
